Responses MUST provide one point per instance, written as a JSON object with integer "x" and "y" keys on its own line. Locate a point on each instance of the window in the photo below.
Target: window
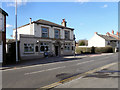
{"x": 57, "y": 33}
{"x": 44, "y": 32}
{"x": 67, "y": 34}
{"x": 67, "y": 46}
{"x": 44, "y": 46}
{"x": 28, "y": 47}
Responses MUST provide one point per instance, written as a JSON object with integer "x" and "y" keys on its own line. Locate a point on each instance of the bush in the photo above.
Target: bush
{"x": 80, "y": 50}
{"x": 107, "y": 49}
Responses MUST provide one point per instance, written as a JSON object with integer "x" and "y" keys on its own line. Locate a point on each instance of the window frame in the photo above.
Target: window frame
{"x": 44, "y": 44}
{"x": 58, "y": 33}
{"x": 68, "y": 36}
{"x": 44, "y": 32}
{"x": 28, "y": 45}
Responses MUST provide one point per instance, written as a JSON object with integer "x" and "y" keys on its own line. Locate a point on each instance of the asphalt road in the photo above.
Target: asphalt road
{"x": 42, "y": 75}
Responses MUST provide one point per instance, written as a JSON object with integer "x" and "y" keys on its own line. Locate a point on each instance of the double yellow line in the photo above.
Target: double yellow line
{"x": 75, "y": 77}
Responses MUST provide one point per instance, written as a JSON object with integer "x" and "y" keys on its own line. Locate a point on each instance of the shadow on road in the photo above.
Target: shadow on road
{"x": 105, "y": 73}
{"x": 41, "y": 61}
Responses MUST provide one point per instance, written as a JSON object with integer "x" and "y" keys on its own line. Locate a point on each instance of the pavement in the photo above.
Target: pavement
{"x": 104, "y": 78}
{"x": 25, "y": 63}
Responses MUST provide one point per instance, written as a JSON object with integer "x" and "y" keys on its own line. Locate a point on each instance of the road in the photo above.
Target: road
{"x": 41, "y": 75}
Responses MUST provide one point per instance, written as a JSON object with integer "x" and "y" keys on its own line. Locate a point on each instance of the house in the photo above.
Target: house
{"x": 41, "y": 36}
{"x": 3, "y": 15}
{"x": 99, "y": 40}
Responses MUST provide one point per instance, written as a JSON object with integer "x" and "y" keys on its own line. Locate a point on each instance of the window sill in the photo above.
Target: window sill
{"x": 28, "y": 52}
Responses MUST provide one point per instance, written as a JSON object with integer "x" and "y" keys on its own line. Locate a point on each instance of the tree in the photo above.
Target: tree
{"x": 83, "y": 42}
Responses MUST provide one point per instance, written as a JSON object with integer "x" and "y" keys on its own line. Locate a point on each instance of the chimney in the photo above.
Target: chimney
{"x": 108, "y": 34}
{"x": 96, "y": 32}
{"x": 63, "y": 22}
{"x": 30, "y": 20}
{"x": 112, "y": 31}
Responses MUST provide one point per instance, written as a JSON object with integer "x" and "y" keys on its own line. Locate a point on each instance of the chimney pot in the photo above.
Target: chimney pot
{"x": 117, "y": 33}
{"x": 30, "y": 20}
{"x": 96, "y": 32}
{"x": 112, "y": 31}
{"x": 64, "y": 22}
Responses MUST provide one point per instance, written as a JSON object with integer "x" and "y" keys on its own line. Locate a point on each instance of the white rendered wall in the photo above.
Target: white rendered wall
{"x": 23, "y": 30}
{"x": 96, "y": 41}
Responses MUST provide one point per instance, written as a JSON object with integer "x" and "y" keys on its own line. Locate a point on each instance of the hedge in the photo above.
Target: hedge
{"x": 107, "y": 49}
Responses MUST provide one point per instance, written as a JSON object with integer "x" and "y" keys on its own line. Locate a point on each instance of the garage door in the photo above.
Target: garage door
{"x": 1, "y": 53}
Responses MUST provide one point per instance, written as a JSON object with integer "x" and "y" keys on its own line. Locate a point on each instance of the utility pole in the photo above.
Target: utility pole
{"x": 16, "y": 31}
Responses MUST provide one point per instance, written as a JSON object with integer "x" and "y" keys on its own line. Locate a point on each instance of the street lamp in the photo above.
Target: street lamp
{"x": 16, "y": 31}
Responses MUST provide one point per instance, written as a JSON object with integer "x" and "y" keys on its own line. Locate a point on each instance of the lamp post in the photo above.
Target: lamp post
{"x": 16, "y": 31}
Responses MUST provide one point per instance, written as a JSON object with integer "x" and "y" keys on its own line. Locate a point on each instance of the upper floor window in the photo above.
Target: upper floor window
{"x": 67, "y": 34}
{"x": 44, "y": 32}
{"x": 57, "y": 33}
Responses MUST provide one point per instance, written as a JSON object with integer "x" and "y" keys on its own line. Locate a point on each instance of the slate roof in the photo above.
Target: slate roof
{"x": 45, "y": 22}
{"x": 3, "y": 12}
{"x": 107, "y": 37}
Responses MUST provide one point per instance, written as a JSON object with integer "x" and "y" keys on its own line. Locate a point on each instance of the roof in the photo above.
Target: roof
{"x": 107, "y": 37}
{"x": 3, "y": 12}
{"x": 45, "y": 22}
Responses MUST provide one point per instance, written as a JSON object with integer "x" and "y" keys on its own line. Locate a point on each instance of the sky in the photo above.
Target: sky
{"x": 85, "y": 17}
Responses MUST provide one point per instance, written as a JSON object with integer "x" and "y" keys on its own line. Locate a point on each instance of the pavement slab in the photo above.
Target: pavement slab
{"x": 106, "y": 78}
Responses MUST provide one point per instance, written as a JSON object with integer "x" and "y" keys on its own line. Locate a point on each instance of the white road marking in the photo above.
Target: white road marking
{"x": 37, "y": 65}
{"x": 44, "y": 70}
{"x": 15, "y": 68}
{"x": 85, "y": 62}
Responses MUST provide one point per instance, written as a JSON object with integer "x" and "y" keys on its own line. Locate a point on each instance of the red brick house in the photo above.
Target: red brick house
{"x": 3, "y": 15}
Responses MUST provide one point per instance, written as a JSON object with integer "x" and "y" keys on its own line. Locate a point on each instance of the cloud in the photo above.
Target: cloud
{"x": 105, "y": 6}
{"x": 8, "y": 25}
{"x": 19, "y": 3}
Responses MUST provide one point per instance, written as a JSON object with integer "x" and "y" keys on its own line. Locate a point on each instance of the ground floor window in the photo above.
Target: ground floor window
{"x": 44, "y": 46}
{"x": 67, "y": 46}
{"x": 28, "y": 47}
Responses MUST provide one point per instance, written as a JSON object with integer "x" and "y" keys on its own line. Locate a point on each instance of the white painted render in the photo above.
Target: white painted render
{"x": 36, "y": 30}
{"x": 97, "y": 41}
{"x": 24, "y": 30}
{"x": 1, "y": 22}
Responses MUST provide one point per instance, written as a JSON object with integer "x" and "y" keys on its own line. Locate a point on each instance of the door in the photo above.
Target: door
{"x": 56, "y": 50}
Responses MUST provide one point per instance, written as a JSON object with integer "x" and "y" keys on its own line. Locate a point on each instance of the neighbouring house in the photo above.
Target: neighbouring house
{"x": 3, "y": 15}
{"x": 41, "y": 36}
{"x": 99, "y": 40}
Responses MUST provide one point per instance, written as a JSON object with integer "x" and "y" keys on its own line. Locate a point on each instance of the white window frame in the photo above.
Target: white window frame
{"x": 57, "y": 33}
{"x": 68, "y": 34}
{"x": 44, "y": 44}
{"x": 67, "y": 45}
{"x": 29, "y": 45}
{"x": 45, "y": 32}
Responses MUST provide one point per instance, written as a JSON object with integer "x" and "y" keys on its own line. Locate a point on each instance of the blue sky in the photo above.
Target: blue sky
{"x": 86, "y": 18}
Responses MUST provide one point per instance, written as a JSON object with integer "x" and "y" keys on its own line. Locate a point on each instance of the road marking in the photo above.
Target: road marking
{"x": 85, "y": 62}
{"x": 44, "y": 70}
{"x": 43, "y": 64}
{"x": 76, "y": 77}
{"x": 39, "y": 65}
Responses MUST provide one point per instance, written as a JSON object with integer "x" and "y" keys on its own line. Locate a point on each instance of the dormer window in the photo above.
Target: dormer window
{"x": 44, "y": 32}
